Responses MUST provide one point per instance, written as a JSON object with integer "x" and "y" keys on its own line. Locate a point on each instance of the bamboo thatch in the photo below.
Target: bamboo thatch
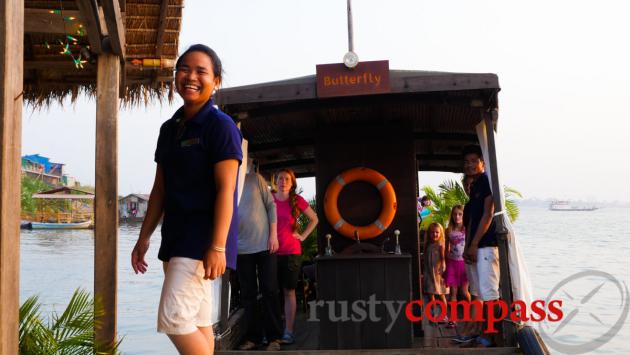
{"x": 53, "y": 77}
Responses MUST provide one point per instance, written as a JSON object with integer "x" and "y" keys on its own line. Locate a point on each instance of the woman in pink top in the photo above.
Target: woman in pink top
{"x": 289, "y": 207}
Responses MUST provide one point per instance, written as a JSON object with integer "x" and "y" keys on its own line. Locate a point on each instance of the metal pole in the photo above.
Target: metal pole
{"x": 350, "y": 33}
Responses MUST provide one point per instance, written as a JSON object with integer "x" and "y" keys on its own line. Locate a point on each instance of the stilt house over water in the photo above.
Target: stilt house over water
{"x": 121, "y": 52}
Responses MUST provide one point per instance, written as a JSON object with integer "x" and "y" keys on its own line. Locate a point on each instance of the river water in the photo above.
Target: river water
{"x": 556, "y": 245}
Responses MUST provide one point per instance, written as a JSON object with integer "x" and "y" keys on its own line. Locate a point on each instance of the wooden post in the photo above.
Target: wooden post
{"x": 509, "y": 331}
{"x": 106, "y": 195}
{"x": 11, "y": 76}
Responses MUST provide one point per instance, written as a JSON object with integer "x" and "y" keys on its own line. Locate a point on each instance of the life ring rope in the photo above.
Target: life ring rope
{"x": 376, "y": 179}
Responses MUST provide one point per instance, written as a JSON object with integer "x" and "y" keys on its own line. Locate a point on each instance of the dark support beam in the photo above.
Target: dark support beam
{"x": 304, "y": 143}
{"x": 509, "y": 331}
{"x": 434, "y": 157}
{"x": 161, "y": 26}
{"x": 115, "y": 26}
{"x": 11, "y": 72}
{"x": 42, "y": 21}
{"x": 441, "y": 168}
{"x": 286, "y": 164}
{"x": 92, "y": 23}
{"x": 468, "y": 137}
{"x": 159, "y": 40}
{"x": 106, "y": 200}
{"x": 123, "y": 79}
{"x": 64, "y": 64}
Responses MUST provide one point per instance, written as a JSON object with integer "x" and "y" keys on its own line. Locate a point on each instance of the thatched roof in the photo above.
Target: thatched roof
{"x": 151, "y": 30}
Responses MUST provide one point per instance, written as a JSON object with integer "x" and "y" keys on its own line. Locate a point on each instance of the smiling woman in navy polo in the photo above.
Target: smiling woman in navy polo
{"x": 198, "y": 154}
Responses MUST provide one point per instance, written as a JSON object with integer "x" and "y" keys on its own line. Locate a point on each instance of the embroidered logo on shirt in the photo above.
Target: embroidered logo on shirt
{"x": 190, "y": 142}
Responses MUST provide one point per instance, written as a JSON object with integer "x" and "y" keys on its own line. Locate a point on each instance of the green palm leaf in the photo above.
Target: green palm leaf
{"x": 33, "y": 335}
{"x": 70, "y": 333}
{"x": 74, "y": 329}
{"x": 452, "y": 193}
{"x": 511, "y": 207}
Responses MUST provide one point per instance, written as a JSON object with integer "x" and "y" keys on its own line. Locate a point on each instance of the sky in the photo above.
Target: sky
{"x": 562, "y": 66}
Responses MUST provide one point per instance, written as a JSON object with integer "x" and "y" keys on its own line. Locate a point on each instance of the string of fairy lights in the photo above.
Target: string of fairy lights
{"x": 84, "y": 53}
{"x": 81, "y": 59}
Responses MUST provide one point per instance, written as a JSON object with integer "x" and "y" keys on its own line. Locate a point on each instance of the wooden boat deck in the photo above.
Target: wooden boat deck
{"x": 436, "y": 341}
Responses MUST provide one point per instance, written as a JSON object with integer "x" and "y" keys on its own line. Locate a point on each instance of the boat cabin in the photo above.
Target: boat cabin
{"x": 61, "y": 208}
{"x": 392, "y": 123}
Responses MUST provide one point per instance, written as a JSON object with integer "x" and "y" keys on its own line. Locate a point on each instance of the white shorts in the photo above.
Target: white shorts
{"x": 484, "y": 274}
{"x": 185, "y": 303}
{"x": 473, "y": 279}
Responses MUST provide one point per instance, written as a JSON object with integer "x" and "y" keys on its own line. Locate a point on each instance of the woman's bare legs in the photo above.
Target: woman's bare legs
{"x": 196, "y": 343}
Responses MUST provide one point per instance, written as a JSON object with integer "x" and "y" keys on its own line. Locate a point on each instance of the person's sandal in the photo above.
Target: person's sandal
{"x": 463, "y": 339}
{"x": 248, "y": 345}
{"x": 288, "y": 338}
{"x": 273, "y": 346}
{"x": 486, "y": 343}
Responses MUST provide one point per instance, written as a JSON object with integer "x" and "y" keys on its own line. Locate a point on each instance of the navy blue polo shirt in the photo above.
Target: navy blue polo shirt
{"x": 187, "y": 154}
{"x": 479, "y": 190}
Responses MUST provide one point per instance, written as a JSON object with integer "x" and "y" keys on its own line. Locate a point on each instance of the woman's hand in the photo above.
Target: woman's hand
{"x": 298, "y": 236}
{"x": 272, "y": 244}
{"x": 137, "y": 256}
{"x": 214, "y": 264}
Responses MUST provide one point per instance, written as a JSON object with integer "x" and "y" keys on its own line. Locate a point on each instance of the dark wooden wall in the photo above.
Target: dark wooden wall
{"x": 387, "y": 148}
{"x": 363, "y": 277}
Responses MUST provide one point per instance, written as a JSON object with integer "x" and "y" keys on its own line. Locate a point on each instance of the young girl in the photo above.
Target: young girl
{"x": 435, "y": 262}
{"x": 455, "y": 275}
{"x": 290, "y": 206}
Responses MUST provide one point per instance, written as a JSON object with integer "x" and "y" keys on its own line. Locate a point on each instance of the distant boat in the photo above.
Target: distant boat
{"x": 73, "y": 216}
{"x": 566, "y": 206}
{"x": 45, "y": 225}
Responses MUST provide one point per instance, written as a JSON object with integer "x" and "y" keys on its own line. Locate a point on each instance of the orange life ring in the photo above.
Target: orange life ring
{"x": 388, "y": 195}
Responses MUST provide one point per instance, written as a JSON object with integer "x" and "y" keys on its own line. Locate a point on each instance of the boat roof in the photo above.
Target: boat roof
{"x": 65, "y": 193}
{"x": 282, "y": 119}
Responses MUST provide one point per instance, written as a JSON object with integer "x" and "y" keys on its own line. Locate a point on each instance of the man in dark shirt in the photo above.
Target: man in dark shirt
{"x": 481, "y": 244}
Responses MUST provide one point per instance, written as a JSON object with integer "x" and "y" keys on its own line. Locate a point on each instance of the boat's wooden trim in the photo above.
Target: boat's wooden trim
{"x": 402, "y": 81}
{"x": 509, "y": 329}
{"x": 233, "y": 334}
